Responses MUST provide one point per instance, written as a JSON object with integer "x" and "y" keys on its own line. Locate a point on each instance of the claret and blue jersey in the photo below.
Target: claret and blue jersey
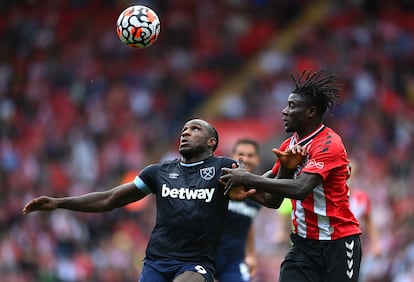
{"x": 191, "y": 208}
{"x": 236, "y": 228}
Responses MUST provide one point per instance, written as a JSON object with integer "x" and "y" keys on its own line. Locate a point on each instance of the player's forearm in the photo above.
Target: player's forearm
{"x": 91, "y": 202}
{"x": 268, "y": 200}
{"x": 288, "y": 188}
{"x": 285, "y": 173}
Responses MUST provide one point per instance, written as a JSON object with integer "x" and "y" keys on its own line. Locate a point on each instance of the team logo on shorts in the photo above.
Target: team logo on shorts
{"x": 208, "y": 173}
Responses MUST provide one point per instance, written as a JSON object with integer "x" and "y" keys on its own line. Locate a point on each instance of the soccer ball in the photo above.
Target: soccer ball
{"x": 138, "y": 26}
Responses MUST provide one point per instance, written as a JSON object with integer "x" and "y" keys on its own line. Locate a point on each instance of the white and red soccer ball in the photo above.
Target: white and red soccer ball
{"x": 138, "y": 26}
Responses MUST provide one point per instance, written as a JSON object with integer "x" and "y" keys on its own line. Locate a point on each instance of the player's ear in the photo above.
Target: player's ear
{"x": 212, "y": 142}
{"x": 312, "y": 111}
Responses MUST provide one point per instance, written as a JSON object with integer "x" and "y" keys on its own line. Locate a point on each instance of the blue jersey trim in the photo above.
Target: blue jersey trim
{"x": 142, "y": 186}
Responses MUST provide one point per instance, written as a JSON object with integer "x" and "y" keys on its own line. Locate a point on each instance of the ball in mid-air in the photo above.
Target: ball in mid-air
{"x": 138, "y": 26}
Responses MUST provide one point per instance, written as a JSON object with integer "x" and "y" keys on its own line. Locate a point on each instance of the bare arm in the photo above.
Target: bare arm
{"x": 285, "y": 173}
{"x": 289, "y": 160}
{"x": 91, "y": 202}
{"x": 269, "y": 200}
{"x": 266, "y": 199}
{"x": 291, "y": 188}
{"x": 373, "y": 235}
{"x": 265, "y": 193}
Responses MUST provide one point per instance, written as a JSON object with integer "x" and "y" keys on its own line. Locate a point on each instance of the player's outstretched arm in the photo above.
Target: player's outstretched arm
{"x": 291, "y": 188}
{"x": 90, "y": 202}
{"x": 41, "y": 203}
{"x": 239, "y": 193}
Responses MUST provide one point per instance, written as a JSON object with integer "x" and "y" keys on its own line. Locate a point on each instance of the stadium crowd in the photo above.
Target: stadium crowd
{"x": 79, "y": 111}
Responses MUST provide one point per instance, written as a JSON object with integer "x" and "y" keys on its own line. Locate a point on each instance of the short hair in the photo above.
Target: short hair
{"x": 322, "y": 91}
{"x": 213, "y": 133}
{"x": 248, "y": 141}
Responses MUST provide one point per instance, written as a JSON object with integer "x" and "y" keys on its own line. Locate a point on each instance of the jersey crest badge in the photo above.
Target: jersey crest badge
{"x": 208, "y": 173}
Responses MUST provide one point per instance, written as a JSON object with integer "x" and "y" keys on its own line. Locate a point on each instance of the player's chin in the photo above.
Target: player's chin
{"x": 288, "y": 129}
{"x": 185, "y": 150}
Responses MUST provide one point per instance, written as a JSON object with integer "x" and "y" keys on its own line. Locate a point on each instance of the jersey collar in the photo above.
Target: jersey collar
{"x": 191, "y": 164}
{"x": 307, "y": 139}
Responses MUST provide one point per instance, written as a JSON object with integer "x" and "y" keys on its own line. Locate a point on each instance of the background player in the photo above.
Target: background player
{"x": 236, "y": 258}
{"x": 326, "y": 244}
{"x": 360, "y": 204}
{"x": 190, "y": 207}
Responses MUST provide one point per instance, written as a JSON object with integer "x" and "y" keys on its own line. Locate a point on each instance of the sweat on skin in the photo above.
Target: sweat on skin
{"x": 205, "y": 194}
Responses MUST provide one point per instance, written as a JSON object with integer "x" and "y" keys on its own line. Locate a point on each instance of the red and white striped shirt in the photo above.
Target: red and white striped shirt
{"x": 325, "y": 213}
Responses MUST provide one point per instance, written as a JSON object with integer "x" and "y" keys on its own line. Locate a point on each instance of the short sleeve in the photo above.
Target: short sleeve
{"x": 145, "y": 181}
{"x": 323, "y": 157}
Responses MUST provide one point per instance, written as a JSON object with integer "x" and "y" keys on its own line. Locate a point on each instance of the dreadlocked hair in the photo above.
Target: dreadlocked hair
{"x": 321, "y": 91}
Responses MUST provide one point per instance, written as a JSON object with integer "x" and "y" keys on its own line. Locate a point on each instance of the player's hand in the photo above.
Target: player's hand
{"x": 40, "y": 203}
{"x": 240, "y": 193}
{"x": 232, "y": 177}
{"x": 292, "y": 157}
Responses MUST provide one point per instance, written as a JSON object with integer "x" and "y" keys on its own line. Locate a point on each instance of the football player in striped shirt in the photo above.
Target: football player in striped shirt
{"x": 326, "y": 235}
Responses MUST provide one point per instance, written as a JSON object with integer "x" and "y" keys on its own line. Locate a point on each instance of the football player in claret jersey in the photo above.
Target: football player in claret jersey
{"x": 190, "y": 207}
{"x": 326, "y": 235}
{"x": 236, "y": 258}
